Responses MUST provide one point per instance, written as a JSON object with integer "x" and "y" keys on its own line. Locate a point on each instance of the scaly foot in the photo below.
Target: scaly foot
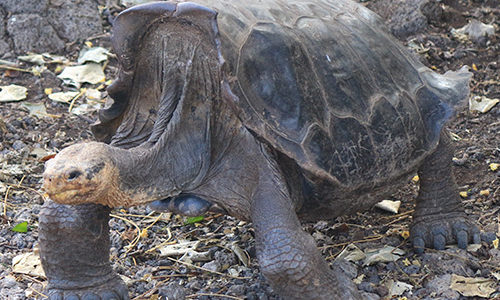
{"x": 436, "y": 231}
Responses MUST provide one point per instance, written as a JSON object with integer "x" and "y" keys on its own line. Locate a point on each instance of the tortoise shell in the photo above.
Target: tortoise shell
{"x": 325, "y": 83}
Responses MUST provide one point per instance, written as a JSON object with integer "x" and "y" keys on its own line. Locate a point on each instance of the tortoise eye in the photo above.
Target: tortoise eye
{"x": 74, "y": 174}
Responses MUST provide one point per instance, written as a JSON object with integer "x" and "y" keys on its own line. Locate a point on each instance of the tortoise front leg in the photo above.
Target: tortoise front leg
{"x": 288, "y": 256}
{"x": 439, "y": 217}
{"x": 74, "y": 249}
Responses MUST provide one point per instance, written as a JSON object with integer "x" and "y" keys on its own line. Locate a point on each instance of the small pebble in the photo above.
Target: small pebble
{"x": 18, "y": 145}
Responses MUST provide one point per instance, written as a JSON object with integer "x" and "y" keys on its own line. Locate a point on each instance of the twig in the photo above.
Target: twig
{"x": 206, "y": 270}
{"x": 82, "y": 91}
{"x": 162, "y": 243}
{"x": 5, "y": 201}
{"x": 147, "y": 294}
{"x": 137, "y": 238}
{"x": 15, "y": 69}
{"x": 368, "y": 239}
{"x": 8, "y": 63}
{"x": 213, "y": 295}
{"x": 20, "y": 186}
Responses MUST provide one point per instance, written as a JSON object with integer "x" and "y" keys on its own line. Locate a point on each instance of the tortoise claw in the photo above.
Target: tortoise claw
{"x": 438, "y": 231}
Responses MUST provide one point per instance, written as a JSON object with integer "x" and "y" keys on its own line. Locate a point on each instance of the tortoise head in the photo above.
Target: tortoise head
{"x": 82, "y": 173}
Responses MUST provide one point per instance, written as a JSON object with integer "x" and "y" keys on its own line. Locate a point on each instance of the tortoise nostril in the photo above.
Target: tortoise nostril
{"x": 74, "y": 174}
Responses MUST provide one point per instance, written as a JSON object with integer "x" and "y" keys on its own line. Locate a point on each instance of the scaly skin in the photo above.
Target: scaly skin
{"x": 74, "y": 249}
{"x": 439, "y": 217}
{"x": 287, "y": 255}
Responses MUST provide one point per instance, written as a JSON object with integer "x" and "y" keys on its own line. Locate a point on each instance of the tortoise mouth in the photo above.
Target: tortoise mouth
{"x": 69, "y": 196}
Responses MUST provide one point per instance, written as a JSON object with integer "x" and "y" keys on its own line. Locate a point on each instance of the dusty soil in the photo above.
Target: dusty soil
{"x": 222, "y": 271}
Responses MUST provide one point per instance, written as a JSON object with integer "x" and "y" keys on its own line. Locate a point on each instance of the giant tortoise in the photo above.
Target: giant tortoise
{"x": 275, "y": 111}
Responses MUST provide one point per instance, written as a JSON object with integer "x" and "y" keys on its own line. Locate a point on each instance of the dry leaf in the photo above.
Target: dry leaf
{"x": 29, "y": 264}
{"x": 351, "y": 253}
{"x": 242, "y": 255}
{"x": 474, "y": 30}
{"x": 178, "y": 249}
{"x": 36, "y": 109}
{"x": 75, "y": 75}
{"x": 389, "y": 205}
{"x": 32, "y": 58}
{"x": 385, "y": 254}
{"x": 12, "y": 93}
{"x": 397, "y": 288}
{"x": 481, "y": 104}
{"x": 96, "y": 54}
{"x": 63, "y": 97}
{"x": 471, "y": 287}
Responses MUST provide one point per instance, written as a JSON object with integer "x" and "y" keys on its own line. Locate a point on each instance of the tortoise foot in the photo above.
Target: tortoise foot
{"x": 438, "y": 230}
{"x": 111, "y": 290}
{"x": 184, "y": 204}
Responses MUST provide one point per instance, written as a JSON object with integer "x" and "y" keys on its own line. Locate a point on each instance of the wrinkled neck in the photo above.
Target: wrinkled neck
{"x": 178, "y": 154}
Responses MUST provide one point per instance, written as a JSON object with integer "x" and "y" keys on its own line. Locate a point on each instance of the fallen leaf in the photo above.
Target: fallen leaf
{"x": 21, "y": 227}
{"x": 471, "y": 287}
{"x": 385, "y": 254}
{"x": 36, "y": 109}
{"x": 179, "y": 248}
{"x": 240, "y": 253}
{"x": 359, "y": 279}
{"x": 484, "y": 192}
{"x": 93, "y": 94}
{"x": 75, "y": 75}
{"x": 48, "y": 157}
{"x": 193, "y": 220}
{"x": 389, "y": 205}
{"x": 351, "y": 253}
{"x": 32, "y": 58}
{"x": 96, "y": 55}
{"x": 482, "y": 104}
{"x": 63, "y": 97}
{"x": 494, "y": 166}
{"x": 474, "y": 30}
{"x": 86, "y": 108}
{"x": 195, "y": 256}
{"x": 29, "y": 264}
{"x": 397, "y": 288}
{"x": 39, "y": 153}
{"x": 12, "y": 93}
{"x": 496, "y": 275}
{"x": 473, "y": 247}
{"x": 463, "y": 194}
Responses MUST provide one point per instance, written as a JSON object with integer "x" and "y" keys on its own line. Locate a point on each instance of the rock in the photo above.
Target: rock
{"x": 20, "y": 29}
{"x": 173, "y": 291}
{"x": 43, "y": 26}
{"x": 237, "y": 289}
{"x": 370, "y": 296}
{"x": 8, "y": 282}
{"x": 406, "y": 18}
{"x": 212, "y": 266}
{"x": 18, "y": 145}
{"x": 441, "y": 286}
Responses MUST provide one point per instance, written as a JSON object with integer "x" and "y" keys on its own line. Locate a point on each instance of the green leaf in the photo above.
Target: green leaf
{"x": 21, "y": 227}
{"x": 193, "y": 220}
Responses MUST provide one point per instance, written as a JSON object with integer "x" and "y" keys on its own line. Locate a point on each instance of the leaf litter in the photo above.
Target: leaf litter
{"x": 128, "y": 262}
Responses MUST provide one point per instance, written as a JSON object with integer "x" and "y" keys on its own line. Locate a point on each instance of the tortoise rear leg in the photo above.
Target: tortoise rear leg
{"x": 74, "y": 249}
{"x": 288, "y": 256}
{"x": 439, "y": 217}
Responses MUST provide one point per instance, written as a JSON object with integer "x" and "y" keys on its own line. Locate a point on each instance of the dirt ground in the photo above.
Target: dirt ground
{"x": 225, "y": 265}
